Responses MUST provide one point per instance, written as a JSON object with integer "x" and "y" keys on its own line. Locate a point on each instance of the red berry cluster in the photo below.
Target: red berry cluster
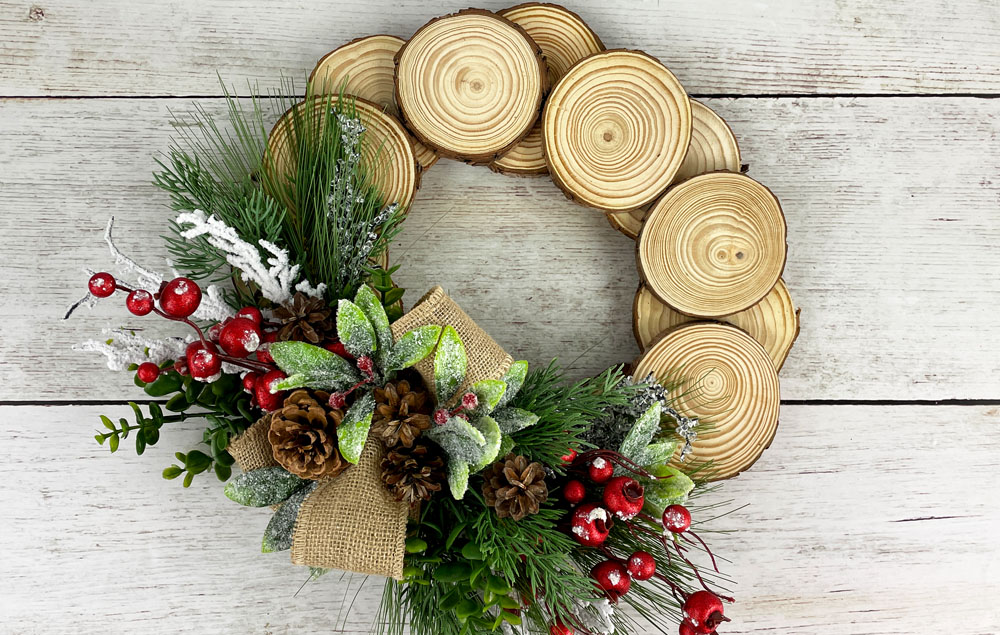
{"x": 468, "y": 403}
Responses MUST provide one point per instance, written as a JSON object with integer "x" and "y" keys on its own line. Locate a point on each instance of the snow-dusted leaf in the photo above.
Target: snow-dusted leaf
{"x": 514, "y": 378}
{"x": 263, "y": 487}
{"x": 655, "y": 454}
{"x": 450, "y": 363}
{"x": 662, "y": 492}
{"x": 312, "y": 366}
{"x": 369, "y": 303}
{"x": 506, "y": 445}
{"x": 491, "y": 432}
{"x": 413, "y": 346}
{"x": 511, "y": 420}
{"x": 278, "y": 535}
{"x": 356, "y": 333}
{"x": 353, "y": 430}
{"x": 460, "y": 440}
{"x": 458, "y": 478}
{"x": 642, "y": 432}
{"x": 488, "y": 392}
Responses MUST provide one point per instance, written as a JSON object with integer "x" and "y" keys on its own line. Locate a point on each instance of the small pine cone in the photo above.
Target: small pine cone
{"x": 402, "y": 412}
{"x": 515, "y": 487}
{"x": 304, "y": 318}
{"x": 303, "y": 436}
{"x": 413, "y": 474}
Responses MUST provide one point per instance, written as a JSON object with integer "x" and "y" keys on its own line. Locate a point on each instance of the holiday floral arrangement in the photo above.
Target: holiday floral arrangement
{"x": 401, "y": 443}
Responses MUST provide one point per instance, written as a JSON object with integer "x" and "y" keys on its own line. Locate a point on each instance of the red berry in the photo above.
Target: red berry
{"x": 250, "y": 381}
{"x": 239, "y": 337}
{"x": 366, "y": 365}
{"x": 574, "y": 492}
{"x": 339, "y": 348}
{"x": 251, "y": 313}
{"x": 676, "y": 518}
{"x": 147, "y": 372}
{"x": 704, "y": 611}
{"x": 613, "y": 578}
{"x": 266, "y": 399}
{"x": 569, "y": 456}
{"x": 470, "y": 401}
{"x": 215, "y": 330}
{"x": 267, "y": 338}
{"x": 441, "y": 416}
{"x": 600, "y": 470}
{"x": 203, "y": 361}
{"x": 337, "y": 400}
{"x": 102, "y": 284}
{"x": 623, "y": 496}
{"x": 181, "y": 367}
{"x": 139, "y": 302}
{"x": 590, "y": 525}
{"x": 641, "y": 565}
{"x": 687, "y": 629}
{"x": 560, "y": 629}
{"x": 180, "y": 297}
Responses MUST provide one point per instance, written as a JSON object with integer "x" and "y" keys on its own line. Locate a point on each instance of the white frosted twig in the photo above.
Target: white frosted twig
{"x": 122, "y": 347}
{"x": 147, "y": 278}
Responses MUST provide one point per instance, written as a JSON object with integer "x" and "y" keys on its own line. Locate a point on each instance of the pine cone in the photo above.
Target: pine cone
{"x": 413, "y": 474}
{"x": 303, "y": 436}
{"x": 515, "y": 487}
{"x": 401, "y": 414}
{"x": 304, "y": 318}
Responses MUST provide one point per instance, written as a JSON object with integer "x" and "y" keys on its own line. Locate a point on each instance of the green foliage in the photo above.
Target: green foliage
{"x": 263, "y": 487}
{"x": 389, "y": 294}
{"x": 672, "y": 490}
{"x": 368, "y": 302}
{"x": 278, "y": 534}
{"x": 489, "y": 392}
{"x": 514, "y": 378}
{"x": 450, "y": 363}
{"x": 355, "y": 330}
{"x": 413, "y": 346}
{"x": 312, "y": 366}
{"x": 353, "y": 430}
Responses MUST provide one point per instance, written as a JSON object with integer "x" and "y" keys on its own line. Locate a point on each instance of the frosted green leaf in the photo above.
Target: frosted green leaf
{"x": 514, "y": 378}
{"x": 263, "y": 487}
{"x": 450, "y": 363}
{"x": 370, "y": 305}
{"x": 458, "y": 478}
{"x": 356, "y": 333}
{"x": 642, "y": 432}
{"x": 413, "y": 346}
{"x": 492, "y": 434}
{"x": 656, "y": 454}
{"x": 278, "y": 535}
{"x": 312, "y": 366}
{"x": 353, "y": 430}
{"x": 665, "y": 491}
{"x": 506, "y": 445}
{"x": 511, "y": 420}
{"x": 489, "y": 392}
{"x": 460, "y": 439}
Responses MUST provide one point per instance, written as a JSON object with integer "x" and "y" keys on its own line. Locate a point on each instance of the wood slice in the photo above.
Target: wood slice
{"x": 713, "y": 245}
{"x": 774, "y": 321}
{"x": 615, "y": 129}
{"x": 364, "y": 67}
{"x": 470, "y": 85}
{"x": 388, "y": 149}
{"x": 565, "y": 39}
{"x": 628, "y": 223}
{"x": 713, "y": 145}
{"x": 724, "y": 378}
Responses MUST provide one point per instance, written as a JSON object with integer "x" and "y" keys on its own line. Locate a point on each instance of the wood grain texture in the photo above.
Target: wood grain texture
{"x": 842, "y": 541}
{"x": 891, "y": 207}
{"x": 87, "y": 47}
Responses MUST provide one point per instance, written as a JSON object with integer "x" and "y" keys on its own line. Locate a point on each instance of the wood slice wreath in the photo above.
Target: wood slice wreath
{"x": 470, "y": 85}
{"x": 616, "y": 128}
{"x": 388, "y": 152}
{"x": 714, "y": 245}
{"x": 564, "y": 39}
{"x": 774, "y": 321}
{"x": 727, "y": 380}
{"x": 713, "y": 148}
{"x": 364, "y": 67}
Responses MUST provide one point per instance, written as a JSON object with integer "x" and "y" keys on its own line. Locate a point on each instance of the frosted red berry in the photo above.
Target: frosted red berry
{"x": 102, "y": 284}
{"x": 366, "y": 365}
{"x": 568, "y": 457}
{"x": 623, "y": 496}
{"x": 613, "y": 578}
{"x": 703, "y": 610}
{"x": 676, "y": 519}
{"x": 337, "y": 400}
{"x": 470, "y": 401}
{"x": 262, "y": 353}
{"x": 251, "y": 313}
{"x": 560, "y": 629}
{"x": 641, "y": 565}
{"x": 203, "y": 361}
{"x": 239, "y": 337}
{"x": 590, "y": 525}
{"x": 267, "y": 396}
{"x": 147, "y": 372}
{"x": 686, "y": 629}
{"x": 441, "y": 416}
{"x": 250, "y": 381}
{"x": 600, "y": 470}
{"x": 574, "y": 492}
{"x": 180, "y": 297}
{"x": 139, "y": 302}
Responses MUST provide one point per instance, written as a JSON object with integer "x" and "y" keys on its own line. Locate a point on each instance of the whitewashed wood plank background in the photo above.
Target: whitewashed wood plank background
{"x": 875, "y": 510}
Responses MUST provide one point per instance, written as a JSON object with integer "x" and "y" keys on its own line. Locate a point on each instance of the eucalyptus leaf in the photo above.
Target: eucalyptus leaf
{"x": 354, "y": 329}
{"x": 460, "y": 439}
{"x": 312, "y": 366}
{"x": 458, "y": 478}
{"x": 370, "y": 305}
{"x": 263, "y": 487}
{"x": 512, "y": 420}
{"x": 491, "y": 432}
{"x": 278, "y": 535}
{"x": 488, "y": 392}
{"x": 642, "y": 432}
{"x": 452, "y": 572}
{"x": 661, "y": 492}
{"x": 450, "y": 363}
{"x": 413, "y": 346}
{"x": 514, "y": 378}
{"x": 353, "y": 430}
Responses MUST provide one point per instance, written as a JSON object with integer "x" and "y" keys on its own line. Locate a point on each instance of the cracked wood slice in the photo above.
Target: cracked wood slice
{"x": 564, "y": 39}
{"x": 388, "y": 149}
{"x": 712, "y": 148}
{"x": 725, "y": 378}
{"x": 470, "y": 85}
{"x": 774, "y": 321}
{"x": 364, "y": 67}
{"x": 616, "y": 128}
{"x": 713, "y": 245}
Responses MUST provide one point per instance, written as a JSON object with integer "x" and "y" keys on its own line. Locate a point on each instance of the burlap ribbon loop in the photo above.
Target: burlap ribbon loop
{"x": 351, "y": 522}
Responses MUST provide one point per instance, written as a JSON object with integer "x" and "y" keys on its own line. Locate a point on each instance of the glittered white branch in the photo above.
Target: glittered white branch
{"x": 122, "y": 347}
